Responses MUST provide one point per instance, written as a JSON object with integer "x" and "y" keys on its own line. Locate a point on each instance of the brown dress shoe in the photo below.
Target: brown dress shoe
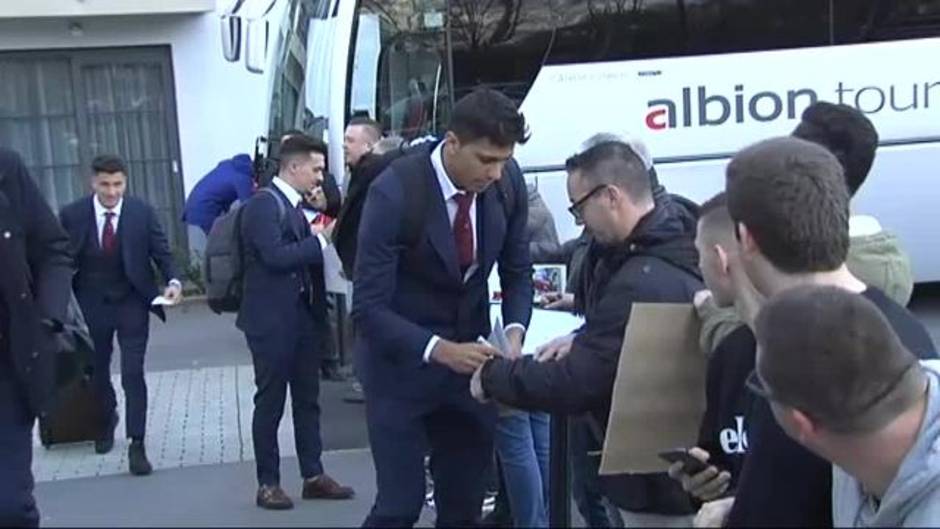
{"x": 326, "y": 488}
{"x": 273, "y": 498}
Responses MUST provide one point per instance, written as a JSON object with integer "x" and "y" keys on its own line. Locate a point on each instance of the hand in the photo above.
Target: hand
{"x": 558, "y": 301}
{"x": 173, "y": 293}
{"x": 515, "y": 336}
{"x": 701, "y": 297}
{"x": 555, "y": 349}
{"x": 708, "y": 484}
{"x": 326, "y": 230}
{"x": 476, "y": 385}
{"x": 463, "y": 358}
{"x": 714, "y": 513}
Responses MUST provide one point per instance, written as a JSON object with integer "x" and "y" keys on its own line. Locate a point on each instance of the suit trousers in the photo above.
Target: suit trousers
{"x": 289, "y": 358}
{"x": 129, "y": 319}
{"x": 17, "y": 505}
{"x": 457, "y": 430}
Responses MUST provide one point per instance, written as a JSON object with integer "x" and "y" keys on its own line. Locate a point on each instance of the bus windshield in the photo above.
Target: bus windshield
{"x": 301, "y": 52}
{"x": 399, "y": 72}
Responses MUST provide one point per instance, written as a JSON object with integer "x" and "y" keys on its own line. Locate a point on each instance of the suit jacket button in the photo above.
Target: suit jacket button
{"x": 7, "y": 235}
{"x": 24, "y": 295}
{"x": 35, "y": 355}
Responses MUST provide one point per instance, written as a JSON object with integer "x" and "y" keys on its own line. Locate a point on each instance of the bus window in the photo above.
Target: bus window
{"x": 304, "y": 41}
{"x": 398, "y": 74}
{"x": 858, "y": 21}
{"x": 613, "y": 30}
{"x": 501, "y": 45}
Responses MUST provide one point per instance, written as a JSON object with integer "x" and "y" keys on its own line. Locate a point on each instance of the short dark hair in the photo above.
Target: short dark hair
{"x": 488, "y": 114}
{"x": 714, "y": 218}
{"x": 108, "y": 163}
{"x": 297, "y": 145}
{"x": 372, "y": 125}
{"x": 792, "y": 197}
{"x": 847, "y": 133}
{"x": 833, "y": 355}
{"x": 614, "y": 163}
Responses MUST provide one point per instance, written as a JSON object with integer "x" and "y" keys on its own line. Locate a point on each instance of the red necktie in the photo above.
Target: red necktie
{"x": 463, "y": 230}
{"x": 108, "y": 240}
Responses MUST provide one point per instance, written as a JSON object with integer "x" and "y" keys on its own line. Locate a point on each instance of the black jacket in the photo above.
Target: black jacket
{"x": 657, "y": 264}
{"x": 35, "y": 277}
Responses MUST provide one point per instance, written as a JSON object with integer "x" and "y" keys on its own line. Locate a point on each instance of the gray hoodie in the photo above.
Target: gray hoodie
{"x": 913, "y": 498}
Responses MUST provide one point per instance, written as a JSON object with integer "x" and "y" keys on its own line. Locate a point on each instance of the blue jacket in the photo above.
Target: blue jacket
{"x": 281, "y": 256}
{"x": 403, "y": 296}
{"x": 143, "y": 243}
{"x": 215, "y": 193}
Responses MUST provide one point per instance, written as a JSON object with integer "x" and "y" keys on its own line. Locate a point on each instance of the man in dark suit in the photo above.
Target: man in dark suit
{"x": 421, "y": 308}
{"x": 283, "y": 316}
{"x": 35, "y": 271}
{"x": 115, "y": 240}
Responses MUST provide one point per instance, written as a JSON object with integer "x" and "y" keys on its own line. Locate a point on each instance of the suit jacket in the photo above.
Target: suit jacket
{"x": 281, "y": 257}
{"x": 35, "y": 272}
{"x": 403, "y": 296}
{"x": 142, "y": 242}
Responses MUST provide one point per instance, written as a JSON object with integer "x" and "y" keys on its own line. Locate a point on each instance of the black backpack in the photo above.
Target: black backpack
{"x": 416, "y": 202}
{"x": 224, "y": 257}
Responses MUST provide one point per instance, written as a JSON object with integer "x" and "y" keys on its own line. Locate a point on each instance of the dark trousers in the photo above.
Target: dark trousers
{"x": 595, "y": 508}
{"x": 459, "y": 433}
{"x": 129, "y": 319}
{"x": 17, "y": 505}
{"x": 290, "y": 358}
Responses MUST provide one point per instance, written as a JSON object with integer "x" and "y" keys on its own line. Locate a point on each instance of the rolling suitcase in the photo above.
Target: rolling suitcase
{"x": 73, "y": 415}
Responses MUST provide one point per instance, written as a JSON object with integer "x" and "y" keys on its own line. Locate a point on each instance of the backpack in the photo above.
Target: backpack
{"x": 224, "y": 257}
{"x": 415, "y": 207}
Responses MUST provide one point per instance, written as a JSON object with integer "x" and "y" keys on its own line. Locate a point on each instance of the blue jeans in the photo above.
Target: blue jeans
{"x": 522, "y": 444}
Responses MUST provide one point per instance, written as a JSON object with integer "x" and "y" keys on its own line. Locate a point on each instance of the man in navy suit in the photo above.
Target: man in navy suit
{"x": 35, "y": 271}
{"x": 421, "y": 307}
{"x": 115, "y": 241}
{"x": 283, "y": 316}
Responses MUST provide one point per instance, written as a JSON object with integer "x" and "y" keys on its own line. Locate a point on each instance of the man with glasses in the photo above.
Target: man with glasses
{"x": 789, "y": 206}
{"x": 640, "y": 252}
{"x": 840, "y": 382}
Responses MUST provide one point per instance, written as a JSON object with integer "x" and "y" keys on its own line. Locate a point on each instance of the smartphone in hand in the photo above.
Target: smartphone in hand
{"x": 691, "y": 465}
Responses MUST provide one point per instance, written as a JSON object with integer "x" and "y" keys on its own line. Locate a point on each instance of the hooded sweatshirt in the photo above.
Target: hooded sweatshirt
{"x": 913, "y": 498}
{"x": 876, "y": 258}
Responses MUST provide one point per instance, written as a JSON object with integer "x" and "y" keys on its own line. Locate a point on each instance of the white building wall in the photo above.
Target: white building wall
{"x": 220, "y": 105}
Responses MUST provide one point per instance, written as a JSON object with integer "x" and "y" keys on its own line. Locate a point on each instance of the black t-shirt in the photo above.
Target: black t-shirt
{"x": 782, "y": 483}
{"x": 723, "y": 432}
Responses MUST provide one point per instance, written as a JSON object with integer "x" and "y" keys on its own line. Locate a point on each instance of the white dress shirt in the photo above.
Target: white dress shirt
{"x": 101, "y": 219}
{"x": 449, "y": 191}
{"x": 294, "y": 198}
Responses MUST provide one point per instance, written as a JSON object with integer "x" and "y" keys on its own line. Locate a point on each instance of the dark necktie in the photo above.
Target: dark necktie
{"x": 463, "y": 230}
{"x": 108, "y": 240}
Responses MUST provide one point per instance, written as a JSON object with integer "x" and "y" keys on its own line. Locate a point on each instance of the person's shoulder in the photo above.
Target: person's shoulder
{"x": 739, "y": 345}
{"x": 77, "y": 206}
{"x": 909, "y": 329}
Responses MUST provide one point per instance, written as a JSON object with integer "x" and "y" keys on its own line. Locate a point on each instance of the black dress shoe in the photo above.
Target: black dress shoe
{"x": 137, "y": 459}
{"x": 105, "y": 443}
{"x": 273, "y": 498}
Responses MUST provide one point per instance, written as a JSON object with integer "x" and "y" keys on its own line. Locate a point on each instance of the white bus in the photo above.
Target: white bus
{"x": 695, "y": 79}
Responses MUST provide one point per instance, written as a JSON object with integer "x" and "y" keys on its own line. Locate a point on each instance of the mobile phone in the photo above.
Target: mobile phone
{"x": 691, "y": 465}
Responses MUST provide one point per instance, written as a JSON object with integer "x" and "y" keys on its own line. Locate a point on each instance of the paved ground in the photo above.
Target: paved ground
{"x": 200, "y": 384}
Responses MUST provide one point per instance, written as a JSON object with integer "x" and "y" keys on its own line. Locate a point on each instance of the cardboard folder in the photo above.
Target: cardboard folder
{"x": 659, "y": 392}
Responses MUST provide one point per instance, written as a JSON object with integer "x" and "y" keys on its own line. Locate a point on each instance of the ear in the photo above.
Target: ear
{"x": 451, "y": 140}
{"x": 722, "y": 258}
{"x": 746, "y": 239}
{"x": 802, "y": 425}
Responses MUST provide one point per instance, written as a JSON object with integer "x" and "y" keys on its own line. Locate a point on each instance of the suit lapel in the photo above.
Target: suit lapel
{"x": 291, "y": 213}
{"x": 440, "y": 232}
{"x": 90, "y": 232}
{"x": 488, "y": 207}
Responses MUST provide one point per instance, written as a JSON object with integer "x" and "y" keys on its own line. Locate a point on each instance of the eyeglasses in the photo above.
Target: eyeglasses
{"x": 575, "y": 208}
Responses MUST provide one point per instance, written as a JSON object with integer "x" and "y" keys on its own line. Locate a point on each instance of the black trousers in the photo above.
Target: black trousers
{"x": 282, "y": 360}
{"x": 129, "y": 319}
{"x": 17, "y": 505}
{"x": 459, "y": 434}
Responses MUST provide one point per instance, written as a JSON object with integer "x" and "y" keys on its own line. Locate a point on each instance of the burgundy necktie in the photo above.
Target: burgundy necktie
{"x": 108, "y": 240}
{"x": 463, "y": 230}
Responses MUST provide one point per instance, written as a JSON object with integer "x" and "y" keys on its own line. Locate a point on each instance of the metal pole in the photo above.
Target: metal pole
{"x": 559, "y": 498}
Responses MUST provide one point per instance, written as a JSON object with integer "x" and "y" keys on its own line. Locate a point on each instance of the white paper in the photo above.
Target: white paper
{"x": 545, "y": 326}
{"x": 161, "y": 301}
